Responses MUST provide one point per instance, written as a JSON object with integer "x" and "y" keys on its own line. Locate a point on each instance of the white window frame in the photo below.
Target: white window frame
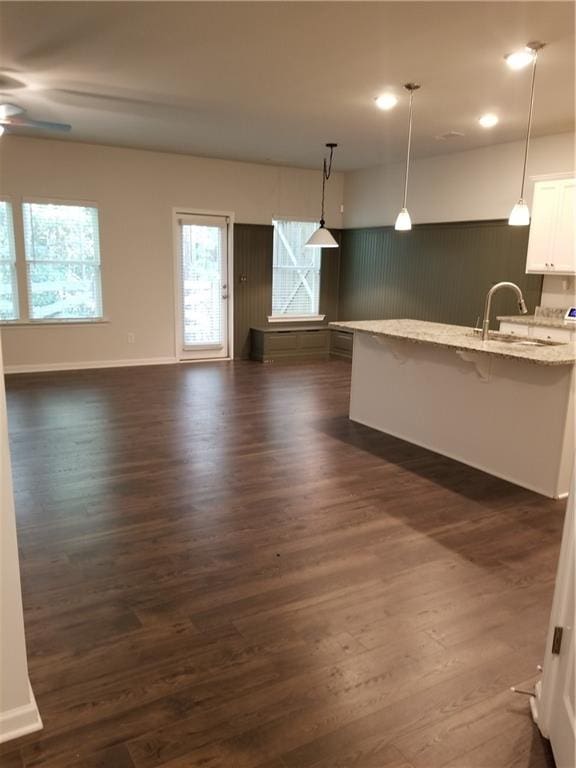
{"x": 311, "y": 317}
{"x": 17, "y": 203}
{"x": 16, "y": 284}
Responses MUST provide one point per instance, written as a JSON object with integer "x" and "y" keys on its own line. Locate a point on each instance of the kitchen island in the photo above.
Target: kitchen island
{"x": 505, "y": 406}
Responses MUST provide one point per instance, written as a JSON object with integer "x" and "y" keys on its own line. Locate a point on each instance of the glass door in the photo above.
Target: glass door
{"x": 203, "y": 286}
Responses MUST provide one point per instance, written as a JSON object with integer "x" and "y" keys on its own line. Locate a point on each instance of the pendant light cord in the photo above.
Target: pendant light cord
{"x": 408, "y": 150}
{"x": 529, "y": 127}
{"x": 326, "y": 173}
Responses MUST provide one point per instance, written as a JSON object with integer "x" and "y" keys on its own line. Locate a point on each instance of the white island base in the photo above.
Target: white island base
{"x": 510, "y": 417}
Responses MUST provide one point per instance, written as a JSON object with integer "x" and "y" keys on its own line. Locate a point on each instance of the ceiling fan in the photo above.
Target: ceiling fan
{"x": 13, "y": 116}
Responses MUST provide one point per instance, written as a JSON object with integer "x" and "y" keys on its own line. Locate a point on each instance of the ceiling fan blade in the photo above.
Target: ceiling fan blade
{"x": 45, "y": 125}
{"x": 9, "y": 110}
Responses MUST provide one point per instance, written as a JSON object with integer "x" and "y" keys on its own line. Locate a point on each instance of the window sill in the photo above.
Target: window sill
{"x": 295, "y": 318}
{"x": 43, "y": 323}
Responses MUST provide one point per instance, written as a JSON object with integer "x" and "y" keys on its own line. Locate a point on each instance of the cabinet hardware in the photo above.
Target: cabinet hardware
{"x": 557, "y": 640}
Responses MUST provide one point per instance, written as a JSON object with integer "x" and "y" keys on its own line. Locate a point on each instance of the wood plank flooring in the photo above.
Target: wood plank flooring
{"x": 220, "y": 570}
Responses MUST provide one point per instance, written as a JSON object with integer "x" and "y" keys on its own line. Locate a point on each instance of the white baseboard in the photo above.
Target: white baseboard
{"x": 20, "y": 721}
{"x": 45, "y": 367}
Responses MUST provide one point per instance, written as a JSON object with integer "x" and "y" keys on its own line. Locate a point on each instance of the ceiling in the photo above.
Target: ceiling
{"x": 272, "y": 82}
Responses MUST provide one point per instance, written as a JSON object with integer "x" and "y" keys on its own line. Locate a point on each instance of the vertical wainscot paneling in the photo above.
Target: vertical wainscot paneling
{"x": 436, "y": 272}
{"x": 253, "y": 253}
{"x": 252, "y": 282}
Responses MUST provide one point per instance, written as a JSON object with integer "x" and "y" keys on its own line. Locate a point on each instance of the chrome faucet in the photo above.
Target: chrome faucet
{"x": 491, "y": 292}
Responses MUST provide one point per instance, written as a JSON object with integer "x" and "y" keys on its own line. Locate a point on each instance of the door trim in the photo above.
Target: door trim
{"x": 185, "y": 210}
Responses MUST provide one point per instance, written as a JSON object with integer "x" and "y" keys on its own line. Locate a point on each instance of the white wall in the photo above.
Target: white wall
{"x": 135, "y": 191}
{"x": 464, "y": 186}
{"x": 18, "y": 712}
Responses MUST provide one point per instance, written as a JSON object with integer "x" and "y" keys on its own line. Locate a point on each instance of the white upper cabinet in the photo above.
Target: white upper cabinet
{"x": 551, "y": 246}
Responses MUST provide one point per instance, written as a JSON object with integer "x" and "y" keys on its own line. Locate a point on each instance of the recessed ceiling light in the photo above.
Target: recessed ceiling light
{"x": 520, "y": 59}
{"x": 489, "y": 120}
{"x": 386, "y": 101}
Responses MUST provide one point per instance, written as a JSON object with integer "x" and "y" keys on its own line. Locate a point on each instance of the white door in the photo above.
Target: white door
{"x": 555, "y": 700}
{"x": 563, "y": 725}
{"x": 203, "y": 316}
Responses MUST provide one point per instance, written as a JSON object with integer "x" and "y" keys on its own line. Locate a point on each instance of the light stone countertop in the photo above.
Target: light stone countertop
{"x": 461, "y": 338}
{"x": 539, "y": 320}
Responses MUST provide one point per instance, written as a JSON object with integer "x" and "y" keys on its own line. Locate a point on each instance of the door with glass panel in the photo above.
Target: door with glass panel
{"x": 203, "y": 286}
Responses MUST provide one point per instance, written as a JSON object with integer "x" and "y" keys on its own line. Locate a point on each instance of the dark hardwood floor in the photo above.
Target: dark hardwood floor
{"x": 220, "y": 570}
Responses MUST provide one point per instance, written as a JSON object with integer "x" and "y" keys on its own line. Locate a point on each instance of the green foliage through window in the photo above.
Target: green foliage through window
{"x": 63, "y": 261}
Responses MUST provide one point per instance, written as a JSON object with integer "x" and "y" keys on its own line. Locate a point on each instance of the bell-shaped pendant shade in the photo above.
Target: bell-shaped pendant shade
{"x": 403, "y": 221}
{"x": 520, "y": 215}
{"x": 322, "y": 238}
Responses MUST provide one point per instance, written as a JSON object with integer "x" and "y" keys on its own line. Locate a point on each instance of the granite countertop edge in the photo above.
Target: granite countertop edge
{"x": 460, "y": 338}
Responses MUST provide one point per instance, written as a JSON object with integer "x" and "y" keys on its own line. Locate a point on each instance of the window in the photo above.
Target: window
{"x": 296, "y": 271}
{"x": 8, "y": 278}
{"x": 62, "y": 261}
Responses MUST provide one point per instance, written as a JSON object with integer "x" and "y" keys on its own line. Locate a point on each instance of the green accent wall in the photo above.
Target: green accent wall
{"x": 435, "y": 272}
{"x": 253, "y": 245}
{"x": 252, "y": 282}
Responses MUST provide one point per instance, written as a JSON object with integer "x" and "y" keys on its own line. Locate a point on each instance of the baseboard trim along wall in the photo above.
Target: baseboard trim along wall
{"x": 46, "y": 367}
{"x": 20, "y": 721}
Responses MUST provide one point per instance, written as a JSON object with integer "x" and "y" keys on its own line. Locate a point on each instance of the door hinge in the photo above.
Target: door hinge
{"x": 557, "y": 640}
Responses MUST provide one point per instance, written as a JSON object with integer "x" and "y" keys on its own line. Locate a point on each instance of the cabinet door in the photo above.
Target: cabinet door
{"x": 563, "y": 256}
{"x": 542, "y": 227}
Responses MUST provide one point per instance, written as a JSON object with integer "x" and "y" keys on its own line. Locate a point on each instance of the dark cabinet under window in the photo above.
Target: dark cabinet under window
{"x": 309, "y": 342}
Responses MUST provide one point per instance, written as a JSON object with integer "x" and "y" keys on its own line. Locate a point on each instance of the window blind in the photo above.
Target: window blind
{"x": 203, "y": 268}
{"x": 8, "y": 279}
{"x": 296, "y": 270}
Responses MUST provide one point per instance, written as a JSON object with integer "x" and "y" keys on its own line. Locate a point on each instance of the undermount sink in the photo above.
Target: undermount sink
{"x": 508, "y": 338}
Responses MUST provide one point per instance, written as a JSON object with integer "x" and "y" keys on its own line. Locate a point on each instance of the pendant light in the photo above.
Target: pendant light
{"x": 322, "y": 237}
{"x": 520, "y": 214}
{"x": 403, "y": 220}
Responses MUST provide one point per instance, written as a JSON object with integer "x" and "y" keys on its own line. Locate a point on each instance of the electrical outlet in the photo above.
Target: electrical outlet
{"x": 131, "y": 338}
